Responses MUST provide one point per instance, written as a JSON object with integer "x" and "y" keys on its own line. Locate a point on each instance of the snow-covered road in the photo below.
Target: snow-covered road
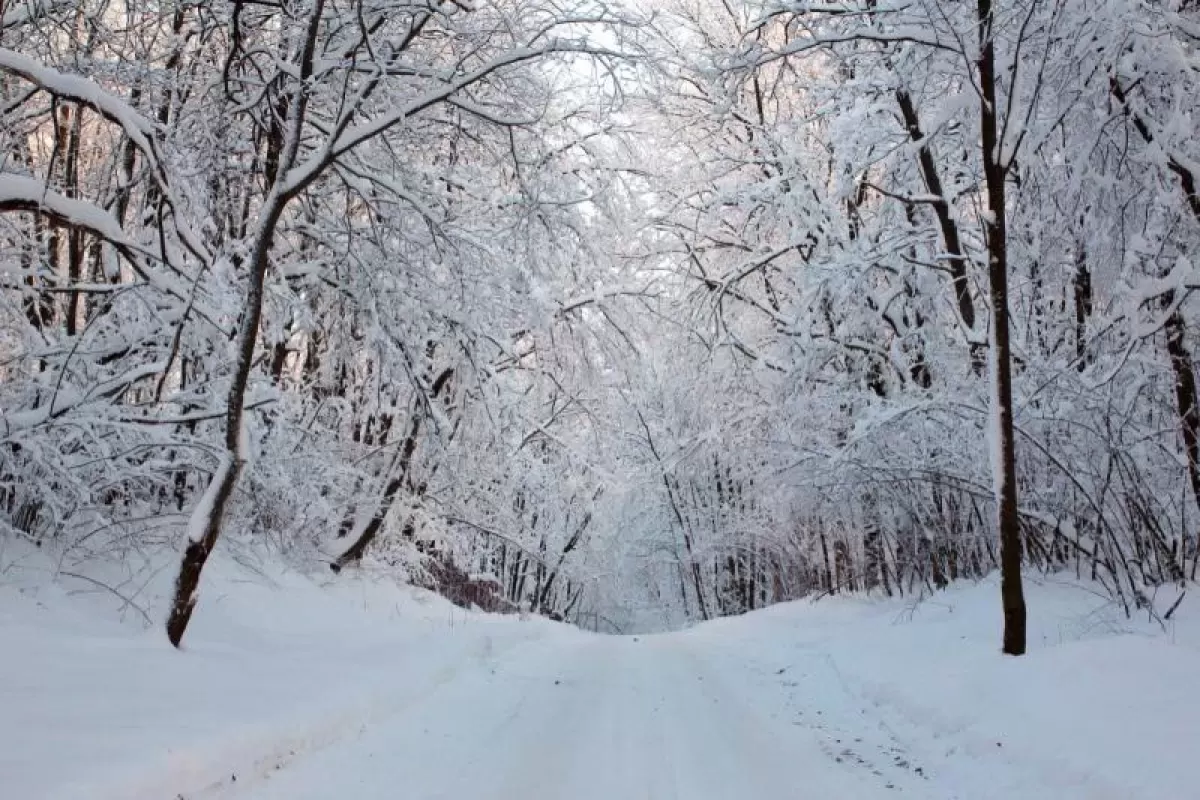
{"x": 586, "y": 717}
{"x": 363, "y": 691}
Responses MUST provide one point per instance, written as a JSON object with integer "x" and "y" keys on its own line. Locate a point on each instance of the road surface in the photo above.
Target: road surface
{"x": 609, "y": 718}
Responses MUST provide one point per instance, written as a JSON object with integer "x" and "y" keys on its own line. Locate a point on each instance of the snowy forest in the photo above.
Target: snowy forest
{"x": 628, "y": 314}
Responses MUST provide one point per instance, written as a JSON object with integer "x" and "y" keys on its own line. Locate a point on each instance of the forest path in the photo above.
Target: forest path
{"x": 361, "y": 691}
{"x": 611, "y": 718}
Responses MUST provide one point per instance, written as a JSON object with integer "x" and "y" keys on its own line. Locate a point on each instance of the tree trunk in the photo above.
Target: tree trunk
{"x": 1176, "y": 328}
{"x": 1185, "y": 396}
{"x": 72, "y": 127}
{"x": 828, "y": 571}
{"x": 209, "y": 513}
{"x": 205, "y": 526}
{"x": 398, "y": 481}
{"x": 995, "y": 231}
{"x": 1082, "y": 286}
{"x": 951, "y": 239}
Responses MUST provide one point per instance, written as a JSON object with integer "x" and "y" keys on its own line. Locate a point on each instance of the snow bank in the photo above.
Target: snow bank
{"x": 98, "y": 707}
{"x": 1101, "y": 707}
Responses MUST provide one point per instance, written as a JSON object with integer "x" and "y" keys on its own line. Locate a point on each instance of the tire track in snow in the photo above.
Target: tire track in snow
{"x": 806, "y": 745}
{"x": 922, "y": 752}
{"x": 586, "y": 718}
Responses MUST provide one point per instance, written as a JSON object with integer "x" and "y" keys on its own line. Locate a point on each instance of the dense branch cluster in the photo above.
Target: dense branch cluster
{"x": 623, "y": 317}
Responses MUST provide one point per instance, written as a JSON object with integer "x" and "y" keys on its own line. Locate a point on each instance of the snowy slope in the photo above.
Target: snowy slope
{"x": 97, "y": 708}
{"x": 365, "y": 691}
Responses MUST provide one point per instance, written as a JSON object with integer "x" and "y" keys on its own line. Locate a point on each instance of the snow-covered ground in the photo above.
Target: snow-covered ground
{"x": 363, "y": 690}
{"x": 919, "y": 696}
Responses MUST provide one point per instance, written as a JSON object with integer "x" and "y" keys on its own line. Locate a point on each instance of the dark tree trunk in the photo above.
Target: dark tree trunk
{"x": 198, "y": 551}
{"x": 71, "y": 127}
{"x": 1176, "y": 328}
{"x": 996, "y": 235}
{"x": 1185, "y": 395}
{"x": 828, "y": 571}
{"x": 951, "y": 239}
{"x": 1082, "y": 285}
{"x": 398, "y": 480}
{"x": 872, "y": 558}
{"x": 220, "y": 489}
